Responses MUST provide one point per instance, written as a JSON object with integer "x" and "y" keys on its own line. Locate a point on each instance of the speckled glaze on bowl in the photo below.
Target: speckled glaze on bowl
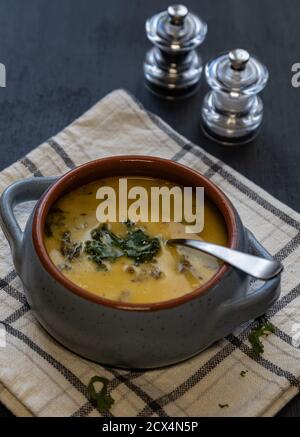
{"x": 122, "y": 334}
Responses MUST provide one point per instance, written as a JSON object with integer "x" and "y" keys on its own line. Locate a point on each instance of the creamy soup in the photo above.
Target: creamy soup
{"x": 128, "y": 261}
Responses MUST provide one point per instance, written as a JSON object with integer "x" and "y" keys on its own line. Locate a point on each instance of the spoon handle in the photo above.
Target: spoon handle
{"x": 255, "y": 266}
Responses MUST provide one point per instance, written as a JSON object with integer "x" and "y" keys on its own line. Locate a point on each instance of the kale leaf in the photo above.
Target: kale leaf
{"x": 104, "y": 245}
{"x": 139, "y": 246}
{"x": 70, "y": 249}
{"x": 254, "y": 337}
{"x": 136, "y": 244}
{"x": 102, "y": 399}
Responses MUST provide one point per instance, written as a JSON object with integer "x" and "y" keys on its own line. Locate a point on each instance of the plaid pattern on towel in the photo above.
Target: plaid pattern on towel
{"x": 38, "y": 377}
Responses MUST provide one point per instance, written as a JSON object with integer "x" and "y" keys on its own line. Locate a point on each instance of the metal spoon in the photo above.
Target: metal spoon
{"x": 255, "y": 266}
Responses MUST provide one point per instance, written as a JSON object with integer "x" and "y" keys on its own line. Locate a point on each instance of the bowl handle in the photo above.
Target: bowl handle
{"x": 256, "y": 301}
{"x": 19, "y": 192}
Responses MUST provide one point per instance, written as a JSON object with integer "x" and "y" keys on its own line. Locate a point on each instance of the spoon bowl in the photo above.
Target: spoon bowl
{"x": 255, "y": 266}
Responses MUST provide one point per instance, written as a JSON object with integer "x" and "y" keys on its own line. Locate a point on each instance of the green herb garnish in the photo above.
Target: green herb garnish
{"x": 70, "y": 249}
{"x": 243, "y": 373}
{"x": 139, "y": 246}
{"x": 102, "y": 400}
{"x": 136, "y": 244}
{"x": 223, "y": 405}
{"x": 104, "y": 246}
{"x": 254, "y": 337}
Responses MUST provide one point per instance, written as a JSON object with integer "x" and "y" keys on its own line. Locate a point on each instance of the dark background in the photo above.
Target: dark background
{"x": 62, "y": 56}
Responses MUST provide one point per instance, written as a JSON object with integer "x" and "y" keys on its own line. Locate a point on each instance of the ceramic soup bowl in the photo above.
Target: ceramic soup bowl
{"x": 124, "y": 334}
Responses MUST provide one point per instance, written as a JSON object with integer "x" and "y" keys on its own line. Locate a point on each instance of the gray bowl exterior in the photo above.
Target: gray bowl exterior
{"x": 133, "y": 338}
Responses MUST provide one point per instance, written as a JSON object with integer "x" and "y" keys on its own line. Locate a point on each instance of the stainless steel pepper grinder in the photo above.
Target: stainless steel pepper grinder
{"x": 232, "y": 111}
{"x": 172, "y": 67}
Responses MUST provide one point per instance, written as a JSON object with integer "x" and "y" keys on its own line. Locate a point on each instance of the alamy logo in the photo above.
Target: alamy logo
{"x": 2, "y": 76}
{"x": 165, "y": 204}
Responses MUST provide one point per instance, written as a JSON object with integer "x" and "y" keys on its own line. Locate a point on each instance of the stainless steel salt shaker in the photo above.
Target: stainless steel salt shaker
{"x": 172, "y": 67}
{"x": 232, "y": 111}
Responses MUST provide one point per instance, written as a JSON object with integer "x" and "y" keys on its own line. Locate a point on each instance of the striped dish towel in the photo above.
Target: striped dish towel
{"x": 38, "y": 377}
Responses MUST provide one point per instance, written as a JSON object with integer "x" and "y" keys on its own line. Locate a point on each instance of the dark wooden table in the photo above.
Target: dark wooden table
{"x": 64, "y": 55}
